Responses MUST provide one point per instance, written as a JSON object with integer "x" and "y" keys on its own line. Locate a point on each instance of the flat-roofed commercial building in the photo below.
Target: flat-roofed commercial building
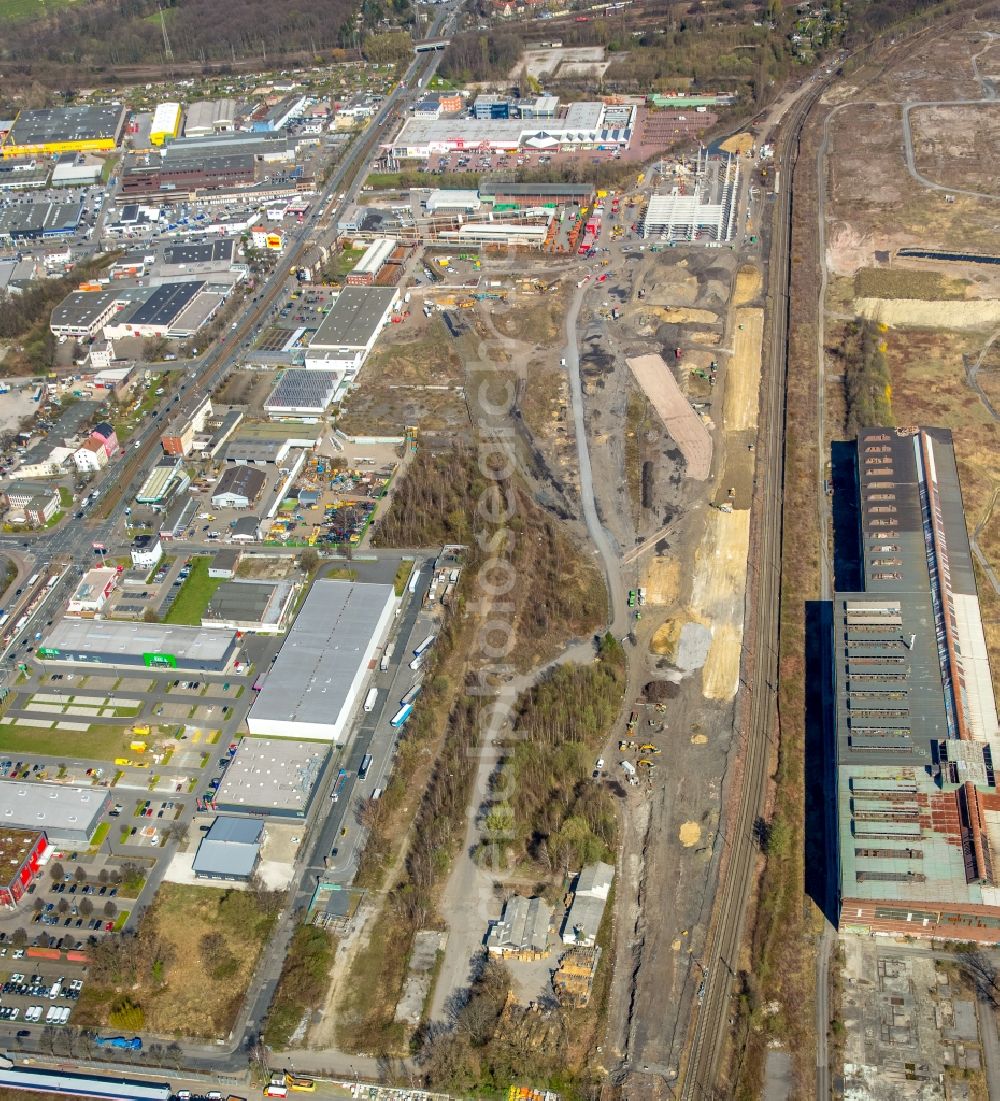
{"x": 374, "y": 260}
{"x": 272, "y": 778}
{"x": 83, "y": 314}
{"x": 150, "y": 645}
{"x": 349, "y": 331}
{"x": 323, "y": 664}
{"x": 22, "y": 853}
{"x": 158, "y": 313}
{"x": 67, "y": 814}
{"x": 256, "y": 607}
{"x": 210, "y": 116}
{"x": 166, "y": 123}
{"x": 917, "y": 735}
{"x": 239, "y": 487}
{"x": 38, "y": 220}
{"x": 264, "y": 444}
{"x": 50, "y": 130}
{"x": 230, "y": 850}
{"x": 302, "y": 393}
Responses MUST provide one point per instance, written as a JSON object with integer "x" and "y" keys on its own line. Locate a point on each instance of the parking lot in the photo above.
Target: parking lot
{"x": 38, "y": 997}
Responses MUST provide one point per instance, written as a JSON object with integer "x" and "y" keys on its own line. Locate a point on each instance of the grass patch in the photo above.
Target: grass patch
{"x": 9, "y": 572}
{"x": 302, "y": 985}
{"x": 26, "y": 11}
{"x": 54, "y": 518}
{"x": 65, "y": 497}
{"x": 195, "y": 594}
{"x": 120, "y": 920}
{"x": 100, "y": 743}
{"x": 403, "y": 181}
{"x": 189, "y": 964}
{"x": 400, "y": 581}
{"x": 346, "y": 261}
{"x": 100, "y": 834}
{"x": 929, "y": 286}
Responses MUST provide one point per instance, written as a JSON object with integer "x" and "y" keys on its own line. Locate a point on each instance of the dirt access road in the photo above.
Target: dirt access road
{"x": 469, "y": 899}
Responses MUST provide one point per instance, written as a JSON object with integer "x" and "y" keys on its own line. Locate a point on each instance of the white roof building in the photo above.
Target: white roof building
{"x": 321, "y": 669}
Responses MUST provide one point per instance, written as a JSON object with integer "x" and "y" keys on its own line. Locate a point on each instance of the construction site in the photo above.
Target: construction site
{"x": 669, "y": 344}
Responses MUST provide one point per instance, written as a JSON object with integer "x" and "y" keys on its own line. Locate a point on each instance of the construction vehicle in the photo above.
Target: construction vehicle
{"x": 298, "y": 1083}
{"x": 644, "y": 763}
{"x": 632, "y": 720}
{"x": 626, "y": 744}
{"x": 647, "y": 748}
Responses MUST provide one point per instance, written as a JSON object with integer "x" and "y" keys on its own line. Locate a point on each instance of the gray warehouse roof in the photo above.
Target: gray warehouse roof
{"x": 304, "y": 389}
{"x": 272, "y": 775}
{"x": 66, "y": 124}
{"x": 245, "y": 481}
{"x": 165, "y": 304}
{"x": 82, "y": 307}
{"x": 248, "y": 602}
{"x": 319, "y": 661}
{"x": 201, "y": 252}
{"x": 230, "y": 848}
{"x": 55, "y": 808}
{"x": 354, "y": 318}
{"x": 40, "y": 218}
{"x": 134, "y": 639}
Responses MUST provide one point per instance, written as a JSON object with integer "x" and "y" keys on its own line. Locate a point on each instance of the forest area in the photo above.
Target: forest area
{"x": 70, "y": 42}
{"x": 560, "y": 819}
{"x": 867, "y": 382}
{"x": 24, "y": 321}
{"x": 719, "y": 46}
{"x": 561, "y": 594}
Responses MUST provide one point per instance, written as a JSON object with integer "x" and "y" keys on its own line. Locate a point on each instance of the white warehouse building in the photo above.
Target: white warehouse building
{"x": 320, "y": 672}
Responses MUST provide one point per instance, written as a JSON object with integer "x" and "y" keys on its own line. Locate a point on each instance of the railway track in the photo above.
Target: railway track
{"x": 757, "y": 718}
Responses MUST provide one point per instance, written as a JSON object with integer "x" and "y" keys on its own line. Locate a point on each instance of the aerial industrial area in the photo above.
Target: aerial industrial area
{"x": 499, "y": 569}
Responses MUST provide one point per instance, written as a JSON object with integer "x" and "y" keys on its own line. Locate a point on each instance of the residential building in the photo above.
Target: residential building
{"x": 41, "y": 508}
{"x": 146, "y": 551}
{"x": 106, "y": 436}
{"x": 180, "y": 433}
{"x": 917, "y": 735}
{"x": 19, "y": 494}
{"x": 90, "y": 456}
